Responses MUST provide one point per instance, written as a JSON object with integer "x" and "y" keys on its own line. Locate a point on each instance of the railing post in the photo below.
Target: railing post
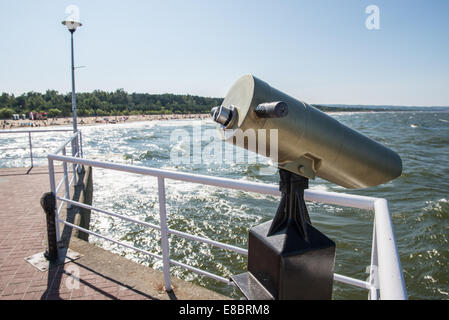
{"x": 66, "y": 179}
{"x": 391, "y": 279}
{"x": 81, "y": 145}
{"x": 79, "y": 153}
{"x": 31, "y": 149}
{"x": 374, "y": 269}
{"x": 75, "y": 178}
{"x": 164, "y": 234}
{"x": 51, "y": 174}
{"x": 75, "y": 152}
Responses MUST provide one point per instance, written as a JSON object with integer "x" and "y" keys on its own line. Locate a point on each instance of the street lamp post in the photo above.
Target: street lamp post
{"x": 72, "y": 26}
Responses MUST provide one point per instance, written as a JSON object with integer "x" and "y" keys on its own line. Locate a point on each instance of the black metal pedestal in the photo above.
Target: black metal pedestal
{"x": 288, "y": 259}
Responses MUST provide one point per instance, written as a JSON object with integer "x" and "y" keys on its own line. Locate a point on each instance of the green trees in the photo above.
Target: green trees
{"x": 117, "y": 103}
{"x": 6, "y": 113}
{"x": 6, "y": 100}
{"x": 103, "y": 103}
{"x": 54, "y": 113}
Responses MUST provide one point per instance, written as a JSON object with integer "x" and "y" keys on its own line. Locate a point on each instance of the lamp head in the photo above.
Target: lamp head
{"x": 72, "y": 25}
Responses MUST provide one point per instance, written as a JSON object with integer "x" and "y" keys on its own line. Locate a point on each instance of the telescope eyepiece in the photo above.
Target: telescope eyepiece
{"x": 212, "y": 112}
{"x": 223, "y": 115}
{"x": 277, "y": 109}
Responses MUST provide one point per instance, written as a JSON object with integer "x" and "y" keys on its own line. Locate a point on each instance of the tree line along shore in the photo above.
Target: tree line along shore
{"x": 102, "y": 103}
{"x": 118, "y": 103}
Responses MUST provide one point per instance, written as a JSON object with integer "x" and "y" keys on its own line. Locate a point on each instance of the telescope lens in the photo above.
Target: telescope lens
{"x": 222, "y": 115}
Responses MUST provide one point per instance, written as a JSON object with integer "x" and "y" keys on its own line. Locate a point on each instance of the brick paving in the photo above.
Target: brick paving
{"x": 23, "y": 233}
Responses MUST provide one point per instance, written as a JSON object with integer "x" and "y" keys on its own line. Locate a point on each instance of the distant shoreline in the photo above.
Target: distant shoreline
{"x": 109, "y": 120}
{"x": 89, "y": 121}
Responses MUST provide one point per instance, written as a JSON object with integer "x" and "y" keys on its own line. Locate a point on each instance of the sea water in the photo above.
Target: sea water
{"x": 418, "y": 200}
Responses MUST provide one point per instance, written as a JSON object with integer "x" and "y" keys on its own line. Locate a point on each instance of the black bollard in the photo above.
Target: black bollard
{"x": 48, "y": 203}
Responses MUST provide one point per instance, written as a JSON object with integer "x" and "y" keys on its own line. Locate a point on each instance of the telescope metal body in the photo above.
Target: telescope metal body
{"x": 310, "y": 143}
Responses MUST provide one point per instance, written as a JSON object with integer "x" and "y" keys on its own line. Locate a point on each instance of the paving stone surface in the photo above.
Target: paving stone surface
{"x": 98, "y": 275}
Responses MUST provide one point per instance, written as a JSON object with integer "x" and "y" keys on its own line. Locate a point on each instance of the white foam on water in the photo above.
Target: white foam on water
{"x": 319, "y": 187}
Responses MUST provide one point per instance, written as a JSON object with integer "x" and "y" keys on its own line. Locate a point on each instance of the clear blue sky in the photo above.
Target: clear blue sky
{"x": 317, "y": 51}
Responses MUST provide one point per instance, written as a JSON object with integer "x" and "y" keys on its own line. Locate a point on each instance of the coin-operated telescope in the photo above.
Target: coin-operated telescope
{"x": 288, "y": 258}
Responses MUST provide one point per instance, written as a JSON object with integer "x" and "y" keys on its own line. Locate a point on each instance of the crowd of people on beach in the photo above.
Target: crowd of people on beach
{"x": 10, "y": 124}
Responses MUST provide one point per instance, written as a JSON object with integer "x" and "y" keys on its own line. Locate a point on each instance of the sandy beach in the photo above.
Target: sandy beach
{"x": 86, "y": 121}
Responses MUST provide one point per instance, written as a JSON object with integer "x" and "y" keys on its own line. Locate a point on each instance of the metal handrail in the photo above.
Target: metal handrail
{"x": 69, "y": 140}
{"x": 337, "y": 277}
{"x": 35, "y": 130}
{"x": 386, "y": 278}
{"x": 30, "y": 142}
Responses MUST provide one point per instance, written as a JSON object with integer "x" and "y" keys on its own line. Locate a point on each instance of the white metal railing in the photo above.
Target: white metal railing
{"x": 385, "y": 274}
{"x": 30, "y": 141}
{"x": 76, "y": 144}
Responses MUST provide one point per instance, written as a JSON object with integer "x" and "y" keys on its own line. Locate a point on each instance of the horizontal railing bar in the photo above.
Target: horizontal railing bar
{"x": 202, "y": 272}
{"x": 334, "y": 198}
{"x": 219, "y": 182}
{"x": 171, "y": 231}
{"x": 337, "y": 277}
{"x": 35, "y": 131}
{"x": 352, "y": 281}
{"x": 109, "y": 239}
{"x": 340, "y": 199}
{"x": 208, "y": 241}
{"x": 85, "y": 206}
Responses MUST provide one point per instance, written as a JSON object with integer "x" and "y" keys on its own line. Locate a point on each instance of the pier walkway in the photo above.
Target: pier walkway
{"x": 97, "y": 275}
